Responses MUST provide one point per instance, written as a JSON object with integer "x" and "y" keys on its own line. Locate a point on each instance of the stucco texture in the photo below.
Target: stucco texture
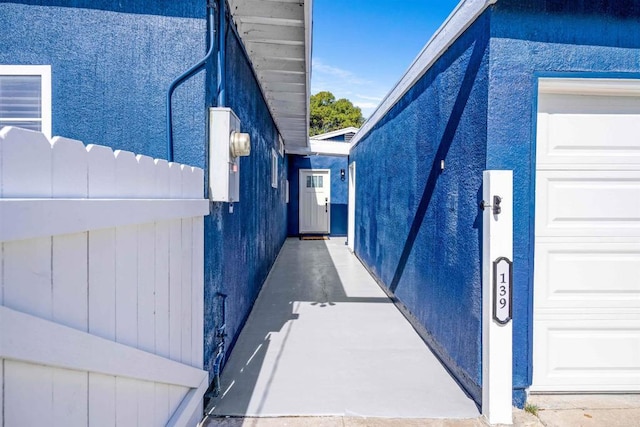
{"x": 530, "y": 40}
{"x": 418, "y": 229}
{"x": 110, "y": 70}
{"x": 242, "y": 246}
{"x": 112, "y": 63}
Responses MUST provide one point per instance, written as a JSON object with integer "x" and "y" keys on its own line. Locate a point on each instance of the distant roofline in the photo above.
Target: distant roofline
{"x": 321, "y": 148}
{"x": 458, "y": 21}
{"x": 333, "y": 134}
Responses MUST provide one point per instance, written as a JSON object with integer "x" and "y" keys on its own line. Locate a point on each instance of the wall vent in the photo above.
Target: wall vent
{"x": 348, "y": 136}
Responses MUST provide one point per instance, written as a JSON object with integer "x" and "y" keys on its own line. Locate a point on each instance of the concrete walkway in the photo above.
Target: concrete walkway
{"x": 610, "y": 410}
{"x": 324, "y": 340}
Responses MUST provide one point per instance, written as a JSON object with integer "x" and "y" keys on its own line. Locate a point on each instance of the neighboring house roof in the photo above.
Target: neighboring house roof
{"x": 277, "y": 38}
{"x": 460, "y": 19}
{"x": 336, "y": 133}
{"x": 323, "y": 145}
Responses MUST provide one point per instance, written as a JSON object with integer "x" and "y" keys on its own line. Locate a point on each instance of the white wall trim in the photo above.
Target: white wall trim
{"x": 35, "y": 340}
{"x": 47, "y": 101}
{"x": 308, "y": 38}
{"x": 44, "y": 71}
{"x": 351, "y": 208}
{"x": 497, "y": 342}
{"x": 274, "y": 169}
{"x": 460, "y": 19}
{"x": 29, "y": 218}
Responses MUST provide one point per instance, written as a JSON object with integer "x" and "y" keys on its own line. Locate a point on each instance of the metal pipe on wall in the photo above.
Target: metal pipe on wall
{"x": 188, "y": 74}
{"x": 222, "y": 48}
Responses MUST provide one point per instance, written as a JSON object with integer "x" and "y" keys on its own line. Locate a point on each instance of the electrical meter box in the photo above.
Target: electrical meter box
{"x": 224, "y": 166}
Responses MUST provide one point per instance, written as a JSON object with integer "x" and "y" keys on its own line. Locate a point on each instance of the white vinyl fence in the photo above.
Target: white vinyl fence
{"x": 101, "y": 279}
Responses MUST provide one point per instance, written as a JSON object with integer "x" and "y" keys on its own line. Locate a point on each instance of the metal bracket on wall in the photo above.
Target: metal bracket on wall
{"x": 496, "y": 205}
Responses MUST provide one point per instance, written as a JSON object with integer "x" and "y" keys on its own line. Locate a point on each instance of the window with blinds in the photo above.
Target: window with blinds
{"x": 25, "y": 97}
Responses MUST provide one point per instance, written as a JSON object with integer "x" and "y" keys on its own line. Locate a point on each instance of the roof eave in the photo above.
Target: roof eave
{"x": 277, "y": 38}
{"x": 462, "y": 17}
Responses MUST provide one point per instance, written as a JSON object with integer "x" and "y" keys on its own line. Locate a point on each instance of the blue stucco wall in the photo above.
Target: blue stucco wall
{"x": 241, "y": 247}
{"x": 476, "y": 108}
{"x": 528, "y": 40}
{"x": 418, "y": 228}
{"x": 339, "y": 191}
{"x": 110, "y": 68}
{"x": 112, "y": 63}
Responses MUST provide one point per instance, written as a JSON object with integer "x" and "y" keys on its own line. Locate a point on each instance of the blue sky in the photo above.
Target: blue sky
{"x": 361, "y": 48}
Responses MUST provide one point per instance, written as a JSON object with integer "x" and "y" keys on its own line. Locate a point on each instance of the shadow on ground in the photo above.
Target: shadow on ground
{"x": 324, "y": 340}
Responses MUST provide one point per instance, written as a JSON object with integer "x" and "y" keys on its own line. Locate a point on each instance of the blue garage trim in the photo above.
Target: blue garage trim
{"x": 532, "y": 227}
{"x": 529, "y": 43}
{"x": 537, "y": 75}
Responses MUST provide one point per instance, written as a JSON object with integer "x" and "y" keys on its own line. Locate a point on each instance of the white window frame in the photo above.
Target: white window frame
{"x": 280, "y": 145}
{"x": 274, "y": 168}
{"x": 44, "y": 71}
{"x": 286, "y": 191}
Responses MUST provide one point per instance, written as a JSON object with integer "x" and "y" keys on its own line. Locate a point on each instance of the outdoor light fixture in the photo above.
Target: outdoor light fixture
{"x": 342, "y": 174}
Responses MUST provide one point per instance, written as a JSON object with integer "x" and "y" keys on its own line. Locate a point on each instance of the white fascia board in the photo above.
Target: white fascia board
{"x": 460, "y": 19}
{"x": 322, "y": 148}
{"x": 333, "y": 134}
{"x": 308, "y": 26}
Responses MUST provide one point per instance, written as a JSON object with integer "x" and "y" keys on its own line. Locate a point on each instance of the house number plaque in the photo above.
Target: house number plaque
{"x": 502, "y": 287}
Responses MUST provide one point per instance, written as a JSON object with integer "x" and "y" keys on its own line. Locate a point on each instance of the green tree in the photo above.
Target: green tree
{"x": 328, "y": 115}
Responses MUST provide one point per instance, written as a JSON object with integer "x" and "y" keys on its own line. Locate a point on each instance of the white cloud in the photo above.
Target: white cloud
{"x": 345, "y": 75}
{"x": 365, "y": 105}
{"x": 377, "y": 99}
{"x": 343, "y": 83}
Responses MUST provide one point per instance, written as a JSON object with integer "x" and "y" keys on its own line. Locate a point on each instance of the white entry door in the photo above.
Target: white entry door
{"x": 315, "y": 201}
{"x": 586, "y": 328}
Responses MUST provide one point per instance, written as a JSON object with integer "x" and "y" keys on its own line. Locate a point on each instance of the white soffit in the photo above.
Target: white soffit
{"x": 277, "y": 37}
{"x": 460, "y": 19}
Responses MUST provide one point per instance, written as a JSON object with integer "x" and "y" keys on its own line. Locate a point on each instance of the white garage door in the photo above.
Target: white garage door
{"x": 586, "y": 332}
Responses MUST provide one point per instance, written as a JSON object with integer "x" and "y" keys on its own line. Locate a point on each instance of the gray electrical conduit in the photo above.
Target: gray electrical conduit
{"x": 222, "y": 54}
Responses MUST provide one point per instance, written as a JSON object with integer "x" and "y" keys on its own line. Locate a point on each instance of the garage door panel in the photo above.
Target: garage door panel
{"x": 569, "y": 138}
{"x": 588, "y": 355}
{"x": 624, "y": 102}
{"x": 588, "y": 203}
{"x": 589, "y": 276}
{"x": 586, "y": 326}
